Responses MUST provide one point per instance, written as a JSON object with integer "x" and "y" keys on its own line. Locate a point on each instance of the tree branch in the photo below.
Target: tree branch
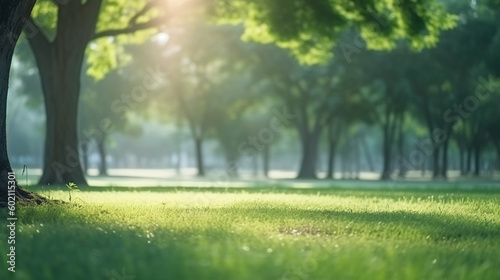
{"x": 134, "y": 26}
{"x": 143, "y": 11}
{"x": 129, "y": 29}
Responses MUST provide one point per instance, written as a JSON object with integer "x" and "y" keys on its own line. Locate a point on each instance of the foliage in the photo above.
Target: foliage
{"x": 107, "y": 53}
{"x": 310, "y": 29}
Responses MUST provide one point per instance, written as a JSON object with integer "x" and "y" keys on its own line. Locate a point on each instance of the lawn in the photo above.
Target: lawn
{"x": 259, "y": 233}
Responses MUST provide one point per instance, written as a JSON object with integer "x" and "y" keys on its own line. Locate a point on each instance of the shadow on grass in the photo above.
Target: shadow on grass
{"x": 373, "y": 224}
{"x": 391, "y": 225}
{"x": 389, "y": 193}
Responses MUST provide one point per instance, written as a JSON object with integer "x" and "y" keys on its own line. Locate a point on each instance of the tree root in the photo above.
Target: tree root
{"x": 25, "y": 198}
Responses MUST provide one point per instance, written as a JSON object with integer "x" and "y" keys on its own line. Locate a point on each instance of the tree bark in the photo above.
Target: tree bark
{"x": 198, "y": 142}
{"x": 13, "y": 17}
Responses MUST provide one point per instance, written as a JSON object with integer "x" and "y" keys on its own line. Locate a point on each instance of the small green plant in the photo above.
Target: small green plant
{"x": 71, "y": 187}
{"x": 25, "y": 168}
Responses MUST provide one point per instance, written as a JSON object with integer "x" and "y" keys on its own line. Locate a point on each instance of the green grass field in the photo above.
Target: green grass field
{"x": 259, "y": 233}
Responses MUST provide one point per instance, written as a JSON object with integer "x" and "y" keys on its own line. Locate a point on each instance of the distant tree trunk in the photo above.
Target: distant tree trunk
{"x": 444, "y": 166}
{"x": 435, "y": 162}
{"x": 85, "y": 157}
{"x": 497, "y": 147}
{"x": 468, "y": 160}
{"x": 369, "y": 159}
{"x": 255, "y": 166}
{"x": 198, "y": 143}
{"x": 265, "y": 159}
{"x": 309, "y": 153}
{"x": 386, "y": 163}
{"x": 424, "y": 163}
{"x": 232, "y": 166}
{"x": 13, "y": 15}
{"x": 357, "y": 159}
{"x": 402, "y": 170}
{"x": 178, "y": 143}
{"x": 333, "y": 136}
{"x": 331, "y": 159}
{"x": 389, "y": 128}
{"x": 178, "y": 163}
{"x": 461, "y": 160}
{"x": 103, "y": 168}
{"x": 477, "y": 160}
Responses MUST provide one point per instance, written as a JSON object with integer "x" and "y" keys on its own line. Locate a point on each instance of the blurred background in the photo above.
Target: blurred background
{"x": 192, "y": 102}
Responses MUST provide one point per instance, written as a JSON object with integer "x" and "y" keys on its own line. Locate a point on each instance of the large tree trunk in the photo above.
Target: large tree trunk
{"x": 309, "y": 154}
{"x": 59, "y": 62}
{"x": 103, "y": 168}
{"x": 60, "y": 76}
{"x": 13, "y": 15}
{"x": 198, "y": 143}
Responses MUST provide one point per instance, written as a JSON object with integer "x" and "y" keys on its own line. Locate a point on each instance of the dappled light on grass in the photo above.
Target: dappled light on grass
{"x": 263, "y": 234}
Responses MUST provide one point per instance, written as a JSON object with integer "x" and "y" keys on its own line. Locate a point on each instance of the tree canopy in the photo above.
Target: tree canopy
{"x": 310, "y": 29}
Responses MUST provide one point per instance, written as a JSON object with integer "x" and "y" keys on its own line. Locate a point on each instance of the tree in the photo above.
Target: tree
{"x": 235, "y": 96}
{"x": 440, "y": 92}
{"x": 202, "y": 82}
{"x": 62, "y": 32}
{"x": 307, "y": 94}
{"x": 13, "y": 18}
{"x": 97, "y": 119}
{"x": 388, "y": 88}
{"x": 381, "y": 24}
